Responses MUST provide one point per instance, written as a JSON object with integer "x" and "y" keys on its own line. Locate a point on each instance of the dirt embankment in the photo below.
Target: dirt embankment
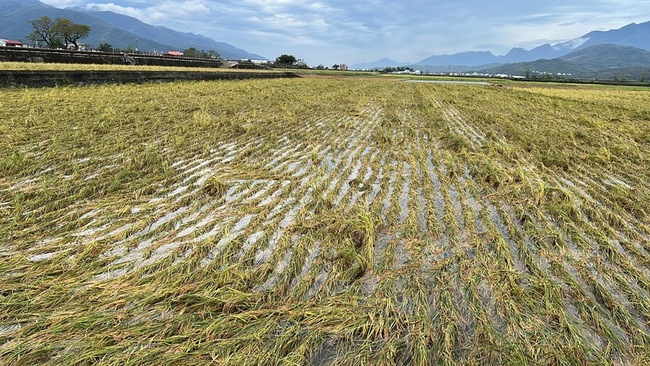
{"x": 39, "y": 55}
{"x": 10, "y": 78}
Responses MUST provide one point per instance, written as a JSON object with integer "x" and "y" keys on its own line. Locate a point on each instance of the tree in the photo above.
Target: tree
{"x": 193, "y": 52}
{"x": 106, "y": 47}
{"x": 58, "y": 33}
{"x": 45, "y": 31}
{"x": 301, "y": 64}
{"x": 70, "y": 31}
{"x": 213, "y": 54}
{"x": 285, "y": 60}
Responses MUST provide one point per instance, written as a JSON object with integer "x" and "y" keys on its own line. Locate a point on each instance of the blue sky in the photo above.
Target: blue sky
{"x": 352, "y": 31}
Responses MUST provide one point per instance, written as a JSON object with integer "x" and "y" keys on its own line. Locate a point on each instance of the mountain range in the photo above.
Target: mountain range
{"x": 604, "y": 61}
{"x": 635, "y": 35}
{"x": 118, "y": 30}
{"x": 384, "y": 62}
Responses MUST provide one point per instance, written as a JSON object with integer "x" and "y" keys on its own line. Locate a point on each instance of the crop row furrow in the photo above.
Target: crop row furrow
{"x": 231, "y": 196}
{"x": 458, "y": 125}
{"x": 363, "y": 185}
{"x": 591, "y": 310}
{"x": 266, "y": 253}
{"x": 611, "y": 197}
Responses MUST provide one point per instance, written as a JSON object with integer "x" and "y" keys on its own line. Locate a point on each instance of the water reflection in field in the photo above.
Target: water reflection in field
{"x": 449, "y": 82}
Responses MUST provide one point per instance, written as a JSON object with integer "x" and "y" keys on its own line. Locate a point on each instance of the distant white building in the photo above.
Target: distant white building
{"x": 260, "y": 62}
{"x": 408, "y": 72}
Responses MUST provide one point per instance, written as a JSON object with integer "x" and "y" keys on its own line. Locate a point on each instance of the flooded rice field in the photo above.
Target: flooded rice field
{"x": 324, "y": 222}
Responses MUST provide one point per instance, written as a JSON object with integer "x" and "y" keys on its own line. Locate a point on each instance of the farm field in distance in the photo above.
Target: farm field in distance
{"x": 324, "y": 221}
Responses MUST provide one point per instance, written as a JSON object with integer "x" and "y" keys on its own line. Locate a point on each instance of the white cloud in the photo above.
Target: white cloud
{"x": 125, "y": 10}
{"x": 63, "y": 3}
{"x": 158, "y": 13}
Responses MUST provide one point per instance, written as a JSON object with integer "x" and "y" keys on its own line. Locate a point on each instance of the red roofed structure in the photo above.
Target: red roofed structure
{"x": 10, "y": 43}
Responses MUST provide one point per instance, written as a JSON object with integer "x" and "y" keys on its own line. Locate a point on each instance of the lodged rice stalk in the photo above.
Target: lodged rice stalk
{"x": 324, "y": 221}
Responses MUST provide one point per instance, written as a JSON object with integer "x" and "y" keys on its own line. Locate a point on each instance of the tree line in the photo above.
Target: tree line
{"x": 63, "y": 33}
